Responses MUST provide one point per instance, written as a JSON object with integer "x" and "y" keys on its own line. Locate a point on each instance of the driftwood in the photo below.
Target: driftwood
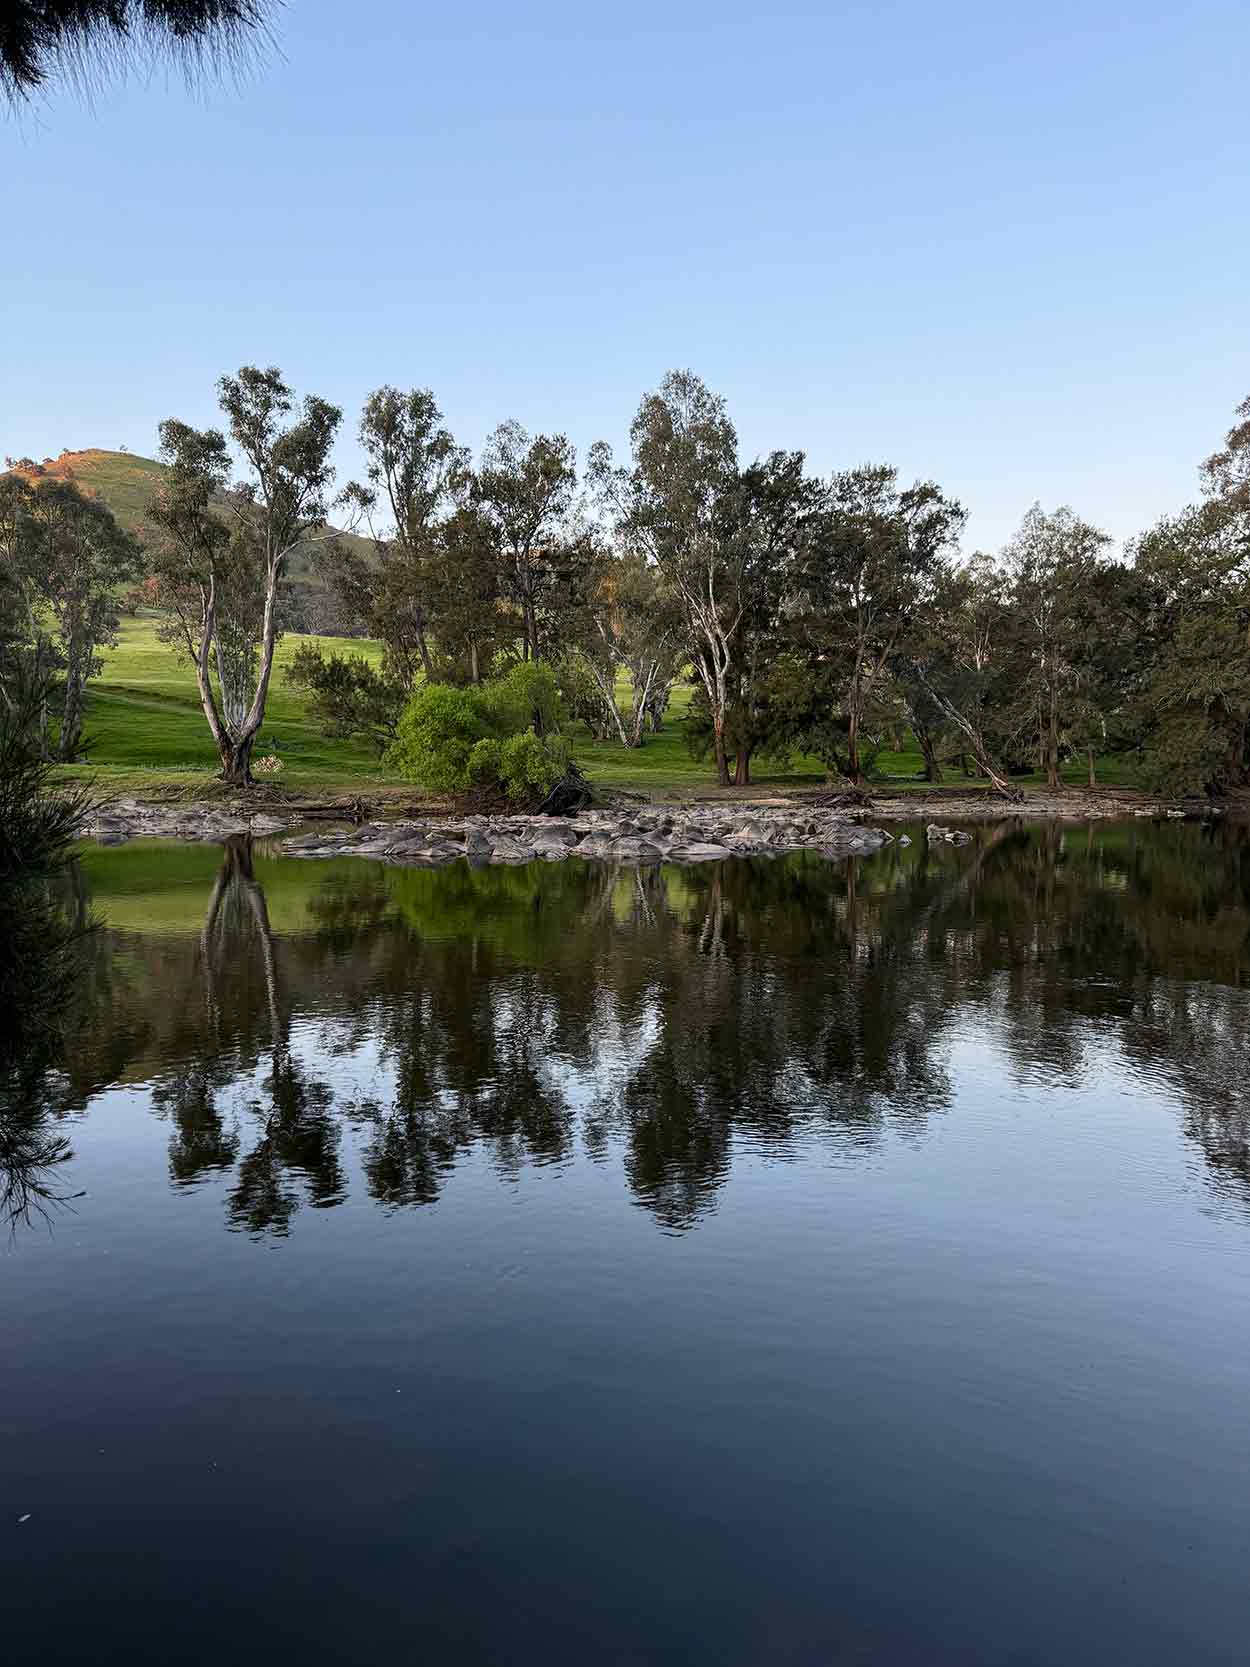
{"x": 569, "y": 795}
{"x": 355, "y": 811}
{"x": 850, "y": 798}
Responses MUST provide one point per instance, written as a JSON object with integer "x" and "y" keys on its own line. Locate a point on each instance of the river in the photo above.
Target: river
{"x": 776, "y": 1261}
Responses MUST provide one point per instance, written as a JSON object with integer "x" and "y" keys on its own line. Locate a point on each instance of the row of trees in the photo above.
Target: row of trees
{"x": 824, "y": 615}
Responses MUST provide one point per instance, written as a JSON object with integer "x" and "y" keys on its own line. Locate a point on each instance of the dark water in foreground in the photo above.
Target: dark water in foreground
{"x": 760, "y": 1263}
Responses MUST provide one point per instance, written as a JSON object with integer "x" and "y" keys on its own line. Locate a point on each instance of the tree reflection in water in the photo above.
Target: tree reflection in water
{"x": 681, "y": 1014}
{"x": 45, "y": 955}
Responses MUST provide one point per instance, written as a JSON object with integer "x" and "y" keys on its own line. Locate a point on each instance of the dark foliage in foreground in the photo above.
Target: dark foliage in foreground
{"x": 38, "y": 940}
{"x": 40, "y": 39}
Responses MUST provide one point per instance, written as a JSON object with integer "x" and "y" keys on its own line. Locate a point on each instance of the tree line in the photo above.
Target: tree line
{"x": 823, "y": 615}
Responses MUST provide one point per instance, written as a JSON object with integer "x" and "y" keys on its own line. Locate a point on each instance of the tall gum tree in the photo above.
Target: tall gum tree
{"x": 62, "y": 558}
{"x": 1193, "y": 703}
{"x": 866, "y": 579}
{"x": 953, "y": 665}
{"x": 83, "y": 556}
{"x": 415, "y": 473}
{"x": 1051, "y": 562}
{"x": 256, "y": 526}
{"x": 671, "y": 506}
{"x": 772, "y": 506}
{"x": 527, "y": 487}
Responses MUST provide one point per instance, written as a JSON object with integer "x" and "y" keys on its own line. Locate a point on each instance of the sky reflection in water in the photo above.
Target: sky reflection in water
{"x": 768, "y": 1261}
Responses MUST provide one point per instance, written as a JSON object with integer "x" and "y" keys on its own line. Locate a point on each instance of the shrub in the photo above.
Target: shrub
{"x": 437, "y": 733}
{"x": 452, "y": 739}
{"x": 268, "y": 766}
{"x": 530, "y": 764}
{"x": 347, "y": 695}
{"x": 526, "y": 697}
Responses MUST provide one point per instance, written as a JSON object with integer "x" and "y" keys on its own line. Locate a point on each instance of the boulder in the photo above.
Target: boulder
{"x": 699, "y": 851}
{"x": 555, "y": 833}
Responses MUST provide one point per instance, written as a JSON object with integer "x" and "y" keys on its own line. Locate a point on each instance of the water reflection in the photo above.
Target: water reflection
{"x": 279, "y": 1012}
{"x": 45, "y": 929}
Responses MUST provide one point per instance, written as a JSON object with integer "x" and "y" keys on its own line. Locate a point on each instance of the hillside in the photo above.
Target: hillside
{"x": 124, "y": 481}
{"x": 127, "y": 483}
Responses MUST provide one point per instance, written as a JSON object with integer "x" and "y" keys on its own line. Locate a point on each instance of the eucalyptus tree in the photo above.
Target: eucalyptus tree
{"x": 20, "y": 639}
{"x": 955, "y": 664}
{"x": 415, "y": 471}
{"x": 1196, "y": 647}
{"x": 674, "y": 505}
{"x": 1196, "y": 716}
{"x": 1110, "y": 656}
{"x": 463, "y": 591}
{"x": 527, "y": 489}
{"x": 590, "y": 653}
{"x": 81, "y": 557}
{"x": 1226, "y": 473}
{"x": 62, "y": 559}
{"x": 771, "y": 512}
{"x": 866, "y": 579}
{"x": 1052, "y": 563}
{"x": 226, "y": 550}
{"x": 646, "y": 628}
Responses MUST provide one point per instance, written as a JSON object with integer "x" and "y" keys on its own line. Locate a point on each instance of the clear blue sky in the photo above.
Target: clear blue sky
{"x": 1006, "y": 247}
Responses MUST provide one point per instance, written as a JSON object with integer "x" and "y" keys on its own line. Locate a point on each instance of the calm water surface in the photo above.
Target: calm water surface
{"x": 768, "y": 1262}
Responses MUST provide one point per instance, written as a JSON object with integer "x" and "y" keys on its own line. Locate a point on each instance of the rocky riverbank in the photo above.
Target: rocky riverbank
{"x": 647, "y": 836}
{"x": 721, "y": 825}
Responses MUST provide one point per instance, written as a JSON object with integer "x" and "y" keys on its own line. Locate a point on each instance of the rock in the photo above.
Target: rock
{"x": 555, "y": 833}
{"x": 593, "y": 845}
{"x": 429, "y": 855}
{"x": 634, "y": 850}
{"x": 697, "y": 835}
{"x": 508, "y": 851}
{"x": 950, "y": 836}
{"x": 748, "y": 835}
{"x": 700, "y": 852}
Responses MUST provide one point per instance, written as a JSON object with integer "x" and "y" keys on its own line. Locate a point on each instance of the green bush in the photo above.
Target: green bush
{"x": 527, "y": 697}
{"x": 531, "y": 765}
{"x": 436, "y": 736}
{"x": 502, "y": 734}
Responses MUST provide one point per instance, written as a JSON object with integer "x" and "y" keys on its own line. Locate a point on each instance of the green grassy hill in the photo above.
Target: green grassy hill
{"x": 127, "y": 483}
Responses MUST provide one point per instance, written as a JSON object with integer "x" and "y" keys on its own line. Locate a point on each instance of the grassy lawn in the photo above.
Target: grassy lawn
{"x": 147, "y": 736}
{"x": 145, "y": 729}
